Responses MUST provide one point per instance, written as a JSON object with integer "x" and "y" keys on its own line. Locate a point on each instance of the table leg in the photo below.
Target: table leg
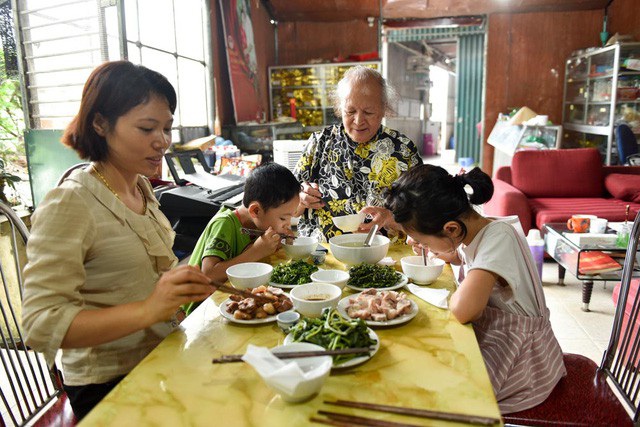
{"x": 587, "y": 288}
{"x": 561, "y": 272}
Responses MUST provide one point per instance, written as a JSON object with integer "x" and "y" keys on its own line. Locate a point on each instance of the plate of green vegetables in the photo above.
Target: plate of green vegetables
{"x": 290, "y": 274}
{"x": 332, "y": 331}
{"x": 382, "y": 277}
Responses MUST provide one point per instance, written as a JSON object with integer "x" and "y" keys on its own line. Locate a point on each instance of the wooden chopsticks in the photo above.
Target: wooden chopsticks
{"x": 242, "y": 292}
{"x": 355, "y": 420}
{"x": 231, "y": 358}
{"x": 253, "y": 232}
{"x": 421, "y": 413}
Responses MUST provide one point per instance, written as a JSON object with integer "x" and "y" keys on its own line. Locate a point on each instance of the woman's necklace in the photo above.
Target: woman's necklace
{"x": 106, "y": 183}
{"x": 104, "y": 180}
{"x": 144, "y": 199}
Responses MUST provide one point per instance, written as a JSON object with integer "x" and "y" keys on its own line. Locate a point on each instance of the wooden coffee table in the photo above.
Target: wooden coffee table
{"x": 568, "y": 255}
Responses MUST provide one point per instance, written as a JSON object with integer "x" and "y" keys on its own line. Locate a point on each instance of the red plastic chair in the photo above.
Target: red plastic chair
{"x": 584, "y": 396}
{"x": 33, "y": 393}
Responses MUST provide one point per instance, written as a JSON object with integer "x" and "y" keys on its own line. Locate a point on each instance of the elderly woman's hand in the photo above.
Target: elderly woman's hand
{"x": 379, "y": 215}
{"x": 310, "y": 197}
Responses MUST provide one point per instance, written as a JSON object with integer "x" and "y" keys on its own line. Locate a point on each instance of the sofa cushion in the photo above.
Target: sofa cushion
{"x": 624, "y": 187}
{"x": 547, "y": 210}
{"x": 558, "y": 173}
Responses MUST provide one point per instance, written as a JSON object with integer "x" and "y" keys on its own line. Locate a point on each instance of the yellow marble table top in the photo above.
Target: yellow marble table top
{"x": 432, "y": 362}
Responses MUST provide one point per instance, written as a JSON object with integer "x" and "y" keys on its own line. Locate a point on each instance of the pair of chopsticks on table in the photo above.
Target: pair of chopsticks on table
{"x": 242, "y": 292}
{"x": 343, "y": 420}
{"x": 231, "y": 358}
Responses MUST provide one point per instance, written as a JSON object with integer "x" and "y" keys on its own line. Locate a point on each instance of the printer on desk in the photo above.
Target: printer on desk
{"x": 198, "y": 196}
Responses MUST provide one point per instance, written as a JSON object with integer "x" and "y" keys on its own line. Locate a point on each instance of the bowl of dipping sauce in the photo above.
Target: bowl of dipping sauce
{"x": 311, "y": 298}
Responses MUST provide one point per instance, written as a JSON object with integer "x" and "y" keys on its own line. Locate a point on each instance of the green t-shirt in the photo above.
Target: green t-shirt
{"x": 221, "y": 238}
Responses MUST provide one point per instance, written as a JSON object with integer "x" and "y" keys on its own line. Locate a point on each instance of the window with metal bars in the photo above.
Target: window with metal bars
{"x": 61, "y": 41}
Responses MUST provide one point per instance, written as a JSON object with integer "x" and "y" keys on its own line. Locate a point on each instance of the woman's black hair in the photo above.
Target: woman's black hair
{"x": 271, "y": 185}
{"x": 111, "y": 90}
{"x": 426, "y": 197}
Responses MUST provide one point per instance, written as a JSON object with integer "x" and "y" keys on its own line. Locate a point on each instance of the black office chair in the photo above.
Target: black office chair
{"x": 627, "y": 146}
{"x": 66, "y": 173}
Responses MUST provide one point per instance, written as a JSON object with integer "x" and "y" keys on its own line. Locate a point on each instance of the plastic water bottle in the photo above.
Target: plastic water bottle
{"x": 536, "y": 245}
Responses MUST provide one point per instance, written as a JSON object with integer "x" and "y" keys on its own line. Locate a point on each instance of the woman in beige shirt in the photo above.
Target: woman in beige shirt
{"x": 100, "y": 282}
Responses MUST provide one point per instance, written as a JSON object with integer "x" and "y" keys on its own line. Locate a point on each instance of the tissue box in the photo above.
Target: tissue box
{"x": 584, "y": 239}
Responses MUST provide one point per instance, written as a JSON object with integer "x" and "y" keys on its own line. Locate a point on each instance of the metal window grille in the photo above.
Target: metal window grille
{"x": 61, "y": 41}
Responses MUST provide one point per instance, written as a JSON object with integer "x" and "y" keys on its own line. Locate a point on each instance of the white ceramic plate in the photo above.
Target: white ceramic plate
{"x": 413, "y": 311}
{"x": 355, "y": 361}
{"x": 403, "y": 281}
{"x": 229, "y": 316}
{"x": 285, "y": 286}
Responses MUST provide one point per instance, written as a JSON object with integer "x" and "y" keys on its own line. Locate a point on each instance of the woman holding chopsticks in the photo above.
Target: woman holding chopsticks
{"x": 501, "y": 293}
{"x": 101, "y": 283}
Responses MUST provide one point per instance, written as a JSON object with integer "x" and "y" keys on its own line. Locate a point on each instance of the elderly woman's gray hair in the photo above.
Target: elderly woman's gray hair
{"x": 359, "y": 74}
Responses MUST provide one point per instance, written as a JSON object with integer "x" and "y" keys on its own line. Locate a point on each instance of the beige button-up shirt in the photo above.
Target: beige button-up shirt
{"x": 88, "y": 251}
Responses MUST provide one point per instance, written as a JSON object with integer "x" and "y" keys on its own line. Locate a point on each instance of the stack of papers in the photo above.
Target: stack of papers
{"x": 583, "y": 239}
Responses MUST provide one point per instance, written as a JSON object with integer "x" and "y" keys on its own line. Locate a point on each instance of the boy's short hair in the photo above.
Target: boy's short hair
{"x": 271, "y": 185}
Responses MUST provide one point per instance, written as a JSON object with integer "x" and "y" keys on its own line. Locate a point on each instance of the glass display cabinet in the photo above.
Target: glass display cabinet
{"x": 602, "y": 89}
{"x": 303, "y": 92}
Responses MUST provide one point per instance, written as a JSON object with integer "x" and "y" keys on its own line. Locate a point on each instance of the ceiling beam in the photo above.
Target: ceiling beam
{"x": 349, "y": 10}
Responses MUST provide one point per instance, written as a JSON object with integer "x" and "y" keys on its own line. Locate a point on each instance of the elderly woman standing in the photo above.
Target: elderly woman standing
{"x": 345, "y": 168}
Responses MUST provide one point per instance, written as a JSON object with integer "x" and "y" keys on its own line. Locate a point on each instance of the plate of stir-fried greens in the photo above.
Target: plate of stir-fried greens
{"x": 290, "y": 274}
{"x": 381, "y": 277}
{"x": 332, "y": 331}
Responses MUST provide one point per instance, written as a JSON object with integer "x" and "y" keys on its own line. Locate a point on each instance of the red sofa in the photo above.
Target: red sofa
{"x": 544, "y": 186}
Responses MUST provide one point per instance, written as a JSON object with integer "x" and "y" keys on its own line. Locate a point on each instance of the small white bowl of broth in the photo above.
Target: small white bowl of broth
{"x": 310, "y": 299}
{"x": 300, "y": 247}
{"x": 420, "y": 274}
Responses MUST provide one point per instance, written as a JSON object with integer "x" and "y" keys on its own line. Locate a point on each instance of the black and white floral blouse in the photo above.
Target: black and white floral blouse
{"x": 350, "y": 176}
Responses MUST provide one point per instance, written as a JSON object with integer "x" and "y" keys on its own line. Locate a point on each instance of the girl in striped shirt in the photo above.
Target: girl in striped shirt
{"x": 501, "y": 292}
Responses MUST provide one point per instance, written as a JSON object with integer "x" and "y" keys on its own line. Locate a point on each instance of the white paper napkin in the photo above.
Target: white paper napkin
{"x": 437, "y": 297}
{"x": 284, "y": 376}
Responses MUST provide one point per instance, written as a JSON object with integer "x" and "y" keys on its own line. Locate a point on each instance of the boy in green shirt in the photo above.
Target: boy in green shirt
{"x": 271, "y": 197}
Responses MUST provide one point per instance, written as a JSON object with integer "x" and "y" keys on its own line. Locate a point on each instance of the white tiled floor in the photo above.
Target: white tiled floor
{"x": 585, "y": 333}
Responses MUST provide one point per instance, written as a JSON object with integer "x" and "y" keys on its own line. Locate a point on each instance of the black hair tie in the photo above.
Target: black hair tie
{"x": 461, "y": 179}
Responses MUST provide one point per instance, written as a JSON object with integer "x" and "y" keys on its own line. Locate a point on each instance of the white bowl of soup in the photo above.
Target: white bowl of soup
{"x": 420, "y": 274}
{"x": 310, "y": 299}
{"x": 248, "y": 275}
{"x": 350, "y": 249}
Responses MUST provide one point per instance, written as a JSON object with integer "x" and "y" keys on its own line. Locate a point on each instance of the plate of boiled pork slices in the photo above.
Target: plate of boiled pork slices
{"x": 378, "y": 308}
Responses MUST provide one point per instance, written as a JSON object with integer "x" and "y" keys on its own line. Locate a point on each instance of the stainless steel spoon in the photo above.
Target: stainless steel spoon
{"x": 370, "y": 236}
